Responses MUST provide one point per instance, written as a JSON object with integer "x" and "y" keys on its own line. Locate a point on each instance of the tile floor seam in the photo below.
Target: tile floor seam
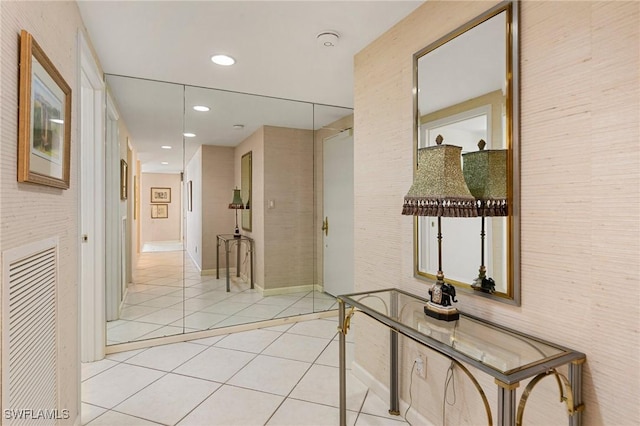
{"x": 297, "y": 383}
{"x": 144, "y": 387}
{"x": 289, "y": 394}
{"x": 131, "y": 415}
{"x": 201, "y": 402}
{"x": 97, "y": 374}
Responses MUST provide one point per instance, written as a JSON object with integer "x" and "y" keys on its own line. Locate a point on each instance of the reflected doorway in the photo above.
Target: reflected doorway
{"x": 338, "y": 213}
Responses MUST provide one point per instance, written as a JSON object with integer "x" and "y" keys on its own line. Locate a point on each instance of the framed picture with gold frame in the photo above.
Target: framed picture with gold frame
{"x": 124, "y": 180}
{"x": 44, "y": 119}
{"x": 159, "y": 211}
{"x": 160, "y": 195}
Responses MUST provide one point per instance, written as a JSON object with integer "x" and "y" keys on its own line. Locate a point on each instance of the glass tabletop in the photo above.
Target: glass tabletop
{"x": 488, "y": 344}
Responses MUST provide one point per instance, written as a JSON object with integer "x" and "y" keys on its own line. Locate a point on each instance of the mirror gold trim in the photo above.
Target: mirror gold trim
{"x": 246, "y": 178}
{"x": 509, "y": 293}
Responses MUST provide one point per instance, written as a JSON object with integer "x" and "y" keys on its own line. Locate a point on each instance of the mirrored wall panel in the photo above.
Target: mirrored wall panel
{"x": 145, "y": 231}
{"x": 241, "y": 174}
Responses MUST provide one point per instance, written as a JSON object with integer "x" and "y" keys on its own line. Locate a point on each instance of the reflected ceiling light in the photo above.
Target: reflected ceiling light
{"x": 164, "y": 162}
{"x": 57, "y": 121}
{"x": 189, "y": 135}
{"x": 201, "y": 108}
{"x": 223, "y": 60}
{"x": 165, "y": 147}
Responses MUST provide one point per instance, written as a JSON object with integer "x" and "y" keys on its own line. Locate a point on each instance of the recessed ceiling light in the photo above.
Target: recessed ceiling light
{"x": 164, "y": 162}
{"x": 189, "y": 135}
{"x": 238, "y": 126}
{"x": 165, "y": 147}
{"x": 223, "y": 60}
{"x": 57, "y": 121}
{"x": 201, "y": 108}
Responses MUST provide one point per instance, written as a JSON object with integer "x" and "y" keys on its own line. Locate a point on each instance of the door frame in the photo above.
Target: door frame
{"x": 91, "y": 327}
{"x": 113, "y": 220}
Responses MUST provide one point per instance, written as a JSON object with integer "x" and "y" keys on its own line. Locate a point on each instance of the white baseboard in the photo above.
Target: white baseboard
{"x": 382, "y": 391}
{"x": 287, "y": 290}
{"x": 223, "y": 272}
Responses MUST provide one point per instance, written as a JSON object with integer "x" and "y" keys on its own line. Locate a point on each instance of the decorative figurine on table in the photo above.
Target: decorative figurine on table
{"x": 482, "y": 283}
{"x": 441, "y": 295}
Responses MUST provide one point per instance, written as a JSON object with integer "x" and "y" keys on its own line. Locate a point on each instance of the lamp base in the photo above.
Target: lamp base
{"x": 444, "y": 313}
{"x": 486, "y": 285}
{"x": 236, "y": 233}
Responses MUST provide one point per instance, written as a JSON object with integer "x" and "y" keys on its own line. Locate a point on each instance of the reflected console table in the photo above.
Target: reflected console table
{"x": 229, "y": 240}
{"x": 505, "y": 354}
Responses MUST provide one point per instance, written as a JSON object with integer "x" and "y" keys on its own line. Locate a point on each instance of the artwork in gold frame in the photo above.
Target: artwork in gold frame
{"x": 44, "y": 119}
{"x": 159, "y": 211}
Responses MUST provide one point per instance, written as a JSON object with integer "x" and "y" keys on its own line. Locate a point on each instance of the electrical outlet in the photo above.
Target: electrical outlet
{"x": 421, "y": 366}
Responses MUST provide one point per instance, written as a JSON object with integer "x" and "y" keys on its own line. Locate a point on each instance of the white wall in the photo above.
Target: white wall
{"x": 193, "y": 234}
{"x": 29, "y": 212}
{"x": 160, "y": 229}
{"x": 580, "y": 186}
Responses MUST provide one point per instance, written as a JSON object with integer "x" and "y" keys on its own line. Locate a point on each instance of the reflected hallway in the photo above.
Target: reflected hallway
{"x": 164, "y": 300}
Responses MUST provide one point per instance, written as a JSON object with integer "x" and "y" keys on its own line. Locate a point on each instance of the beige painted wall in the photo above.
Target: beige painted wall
{"x": 580, "y": 200}
{"x": 282, "y": 161}
{"x": 28, "y": 212}
{"x": 288, "y": 226}
{"x": 160, "y": 229}
{"x": 217, "y": 193}
{"x": 255, "y": 144}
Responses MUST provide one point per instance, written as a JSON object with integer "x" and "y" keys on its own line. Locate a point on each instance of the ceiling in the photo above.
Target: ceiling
{"x": 273, "y": 42}
{"x": 276, "y": 51}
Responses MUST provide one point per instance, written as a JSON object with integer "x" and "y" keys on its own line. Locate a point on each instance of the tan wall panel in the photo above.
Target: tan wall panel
{"x": 255, "y": 144}
{"x": 217, "y": 193}
{"x": 288, "y": 181}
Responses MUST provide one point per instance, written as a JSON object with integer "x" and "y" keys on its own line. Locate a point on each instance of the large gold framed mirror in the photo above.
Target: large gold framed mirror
{"x": 466, "y": 90}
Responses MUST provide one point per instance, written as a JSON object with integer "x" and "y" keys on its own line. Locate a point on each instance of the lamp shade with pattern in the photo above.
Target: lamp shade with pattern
{"x": 439, "y": 190}
{"x": 485, "y": 172}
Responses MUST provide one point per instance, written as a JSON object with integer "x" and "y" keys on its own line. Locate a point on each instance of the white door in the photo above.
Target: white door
{"x": 338, "y": 213}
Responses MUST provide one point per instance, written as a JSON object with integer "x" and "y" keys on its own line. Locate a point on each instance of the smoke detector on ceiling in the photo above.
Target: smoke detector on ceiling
{"x": 328, "y": 39}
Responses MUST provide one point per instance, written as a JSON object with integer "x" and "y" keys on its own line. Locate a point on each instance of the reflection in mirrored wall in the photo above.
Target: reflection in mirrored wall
{"x": 467, "y": 94}
{"x": 226, "y": 161}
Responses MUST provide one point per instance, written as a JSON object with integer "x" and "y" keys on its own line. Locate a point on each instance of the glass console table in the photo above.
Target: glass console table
{"x": 507, "y": 355}
{"x": 228, "y": 240}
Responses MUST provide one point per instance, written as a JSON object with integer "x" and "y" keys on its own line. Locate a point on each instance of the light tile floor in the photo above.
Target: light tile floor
{"x": 284, "y": 375}
{"x": 169, "y": 296}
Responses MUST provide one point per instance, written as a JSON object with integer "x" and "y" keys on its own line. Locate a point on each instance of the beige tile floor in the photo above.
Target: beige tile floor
{"x": 169, "y": 296}
{"x": 284, "y": 375}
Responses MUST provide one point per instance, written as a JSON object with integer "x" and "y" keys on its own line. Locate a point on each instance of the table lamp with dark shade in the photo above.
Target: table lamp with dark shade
{"x": 236, "y": 204}
{"x": 439, "y": 190}
{"x": 485, "y": 172}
